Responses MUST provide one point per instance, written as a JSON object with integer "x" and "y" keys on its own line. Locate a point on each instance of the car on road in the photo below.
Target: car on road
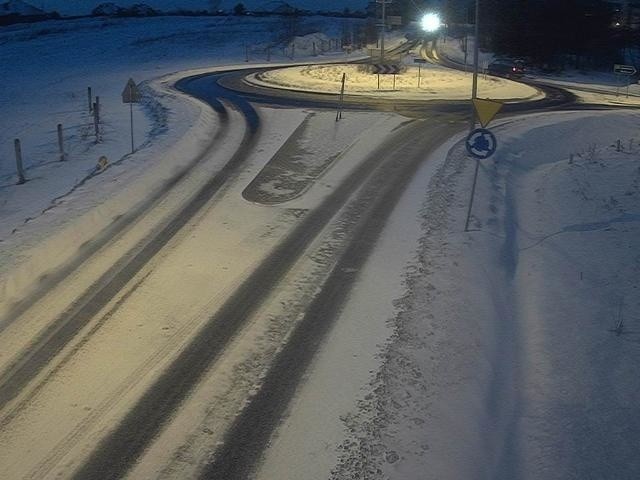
{"x": 505, "y": 68}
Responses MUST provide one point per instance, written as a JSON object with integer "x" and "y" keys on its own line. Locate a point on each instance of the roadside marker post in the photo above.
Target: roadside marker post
{"x": 96, "y": 118}
{"x": 19, "y": 169}
{"x": 63, "y": 156}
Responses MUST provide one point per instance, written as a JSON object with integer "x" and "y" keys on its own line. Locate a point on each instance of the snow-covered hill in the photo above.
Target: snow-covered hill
{"x": 84, "y": 7}
{"x": 19, "y": 7}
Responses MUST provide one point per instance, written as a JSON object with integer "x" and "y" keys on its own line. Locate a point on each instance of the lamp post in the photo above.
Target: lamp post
{"x": 474, "y": 94}
{"x": 474, "y": 85}
{"x": 383, "y": 26}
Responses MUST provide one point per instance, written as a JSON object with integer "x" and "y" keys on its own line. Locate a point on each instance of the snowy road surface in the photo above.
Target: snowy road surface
{"x": 179, "y": 308}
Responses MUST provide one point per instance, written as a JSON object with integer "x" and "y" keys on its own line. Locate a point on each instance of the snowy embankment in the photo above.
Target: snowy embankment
{"x": 170, "y": 129}
{"x": 516, "y": 346}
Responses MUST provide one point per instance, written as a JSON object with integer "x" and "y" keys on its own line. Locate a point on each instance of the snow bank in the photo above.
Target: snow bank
{"x": 506, "y": 361}
{"x": 169, "y": 155}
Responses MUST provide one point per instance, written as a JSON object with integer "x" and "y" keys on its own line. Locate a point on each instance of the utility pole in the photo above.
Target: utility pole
{"x": 476, "y": 51}
{"x": 474, "y": 95}
{"x": 383, "y": 27}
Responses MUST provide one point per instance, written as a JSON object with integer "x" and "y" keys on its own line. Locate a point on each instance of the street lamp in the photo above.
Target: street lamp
{"x": 431, "y": 22}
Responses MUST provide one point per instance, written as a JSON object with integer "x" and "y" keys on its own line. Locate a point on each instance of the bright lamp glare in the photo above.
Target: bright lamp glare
{"x": 431, "y": 22}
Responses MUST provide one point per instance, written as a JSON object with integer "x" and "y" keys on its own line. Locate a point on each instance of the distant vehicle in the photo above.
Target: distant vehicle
{"x": 508, "y": 69}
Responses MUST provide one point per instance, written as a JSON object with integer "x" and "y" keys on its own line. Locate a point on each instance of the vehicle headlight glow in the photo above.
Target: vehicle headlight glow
{"x": 431, "y": 22}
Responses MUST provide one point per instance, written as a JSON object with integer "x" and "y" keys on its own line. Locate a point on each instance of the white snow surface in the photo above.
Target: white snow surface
{"x": 103, "y": 54}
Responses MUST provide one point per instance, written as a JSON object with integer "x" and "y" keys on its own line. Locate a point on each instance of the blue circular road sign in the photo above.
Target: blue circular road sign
{"x": 481, "y": 143}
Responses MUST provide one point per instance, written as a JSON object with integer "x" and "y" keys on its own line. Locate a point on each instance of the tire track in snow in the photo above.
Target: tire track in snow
{"x": 66, "y": 326}
{"x": 118, "y": 452}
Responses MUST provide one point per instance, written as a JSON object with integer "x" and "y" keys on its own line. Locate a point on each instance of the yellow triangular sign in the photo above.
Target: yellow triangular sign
{"x": 486, "y": 110}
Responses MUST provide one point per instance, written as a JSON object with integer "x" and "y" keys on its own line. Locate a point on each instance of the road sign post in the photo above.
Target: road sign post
{"x": 481, "y": 144}
{"x": 131, "y": 95}
{"x": 420, "y": 62}
{"x": 622, "y": 71}
{"x": 339, "y": 112}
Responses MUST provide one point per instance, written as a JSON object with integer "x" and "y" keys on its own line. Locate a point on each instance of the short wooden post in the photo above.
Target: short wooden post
{"x": 419, "y": 70}
{"x": 96, "y": 118}
{"x": 20, "y": 170}
{"x": 131, "y": 115}
{"x": 90, "y": 99}
{"x": 63, "y": 156}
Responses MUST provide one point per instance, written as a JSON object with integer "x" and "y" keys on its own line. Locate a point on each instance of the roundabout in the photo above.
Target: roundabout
{"x": 424, "y": 83}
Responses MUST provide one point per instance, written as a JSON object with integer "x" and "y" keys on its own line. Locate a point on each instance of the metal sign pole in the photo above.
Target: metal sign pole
{"x": 339, "y": 112}
{"x": 131, "y": 116}
{"x": 473, "y": 193}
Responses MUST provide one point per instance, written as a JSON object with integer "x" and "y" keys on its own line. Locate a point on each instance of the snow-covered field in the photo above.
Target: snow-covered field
{"x": 84, "y": 7}
{"x": 53, "y": 63}
{"x": 509, "y": 351}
